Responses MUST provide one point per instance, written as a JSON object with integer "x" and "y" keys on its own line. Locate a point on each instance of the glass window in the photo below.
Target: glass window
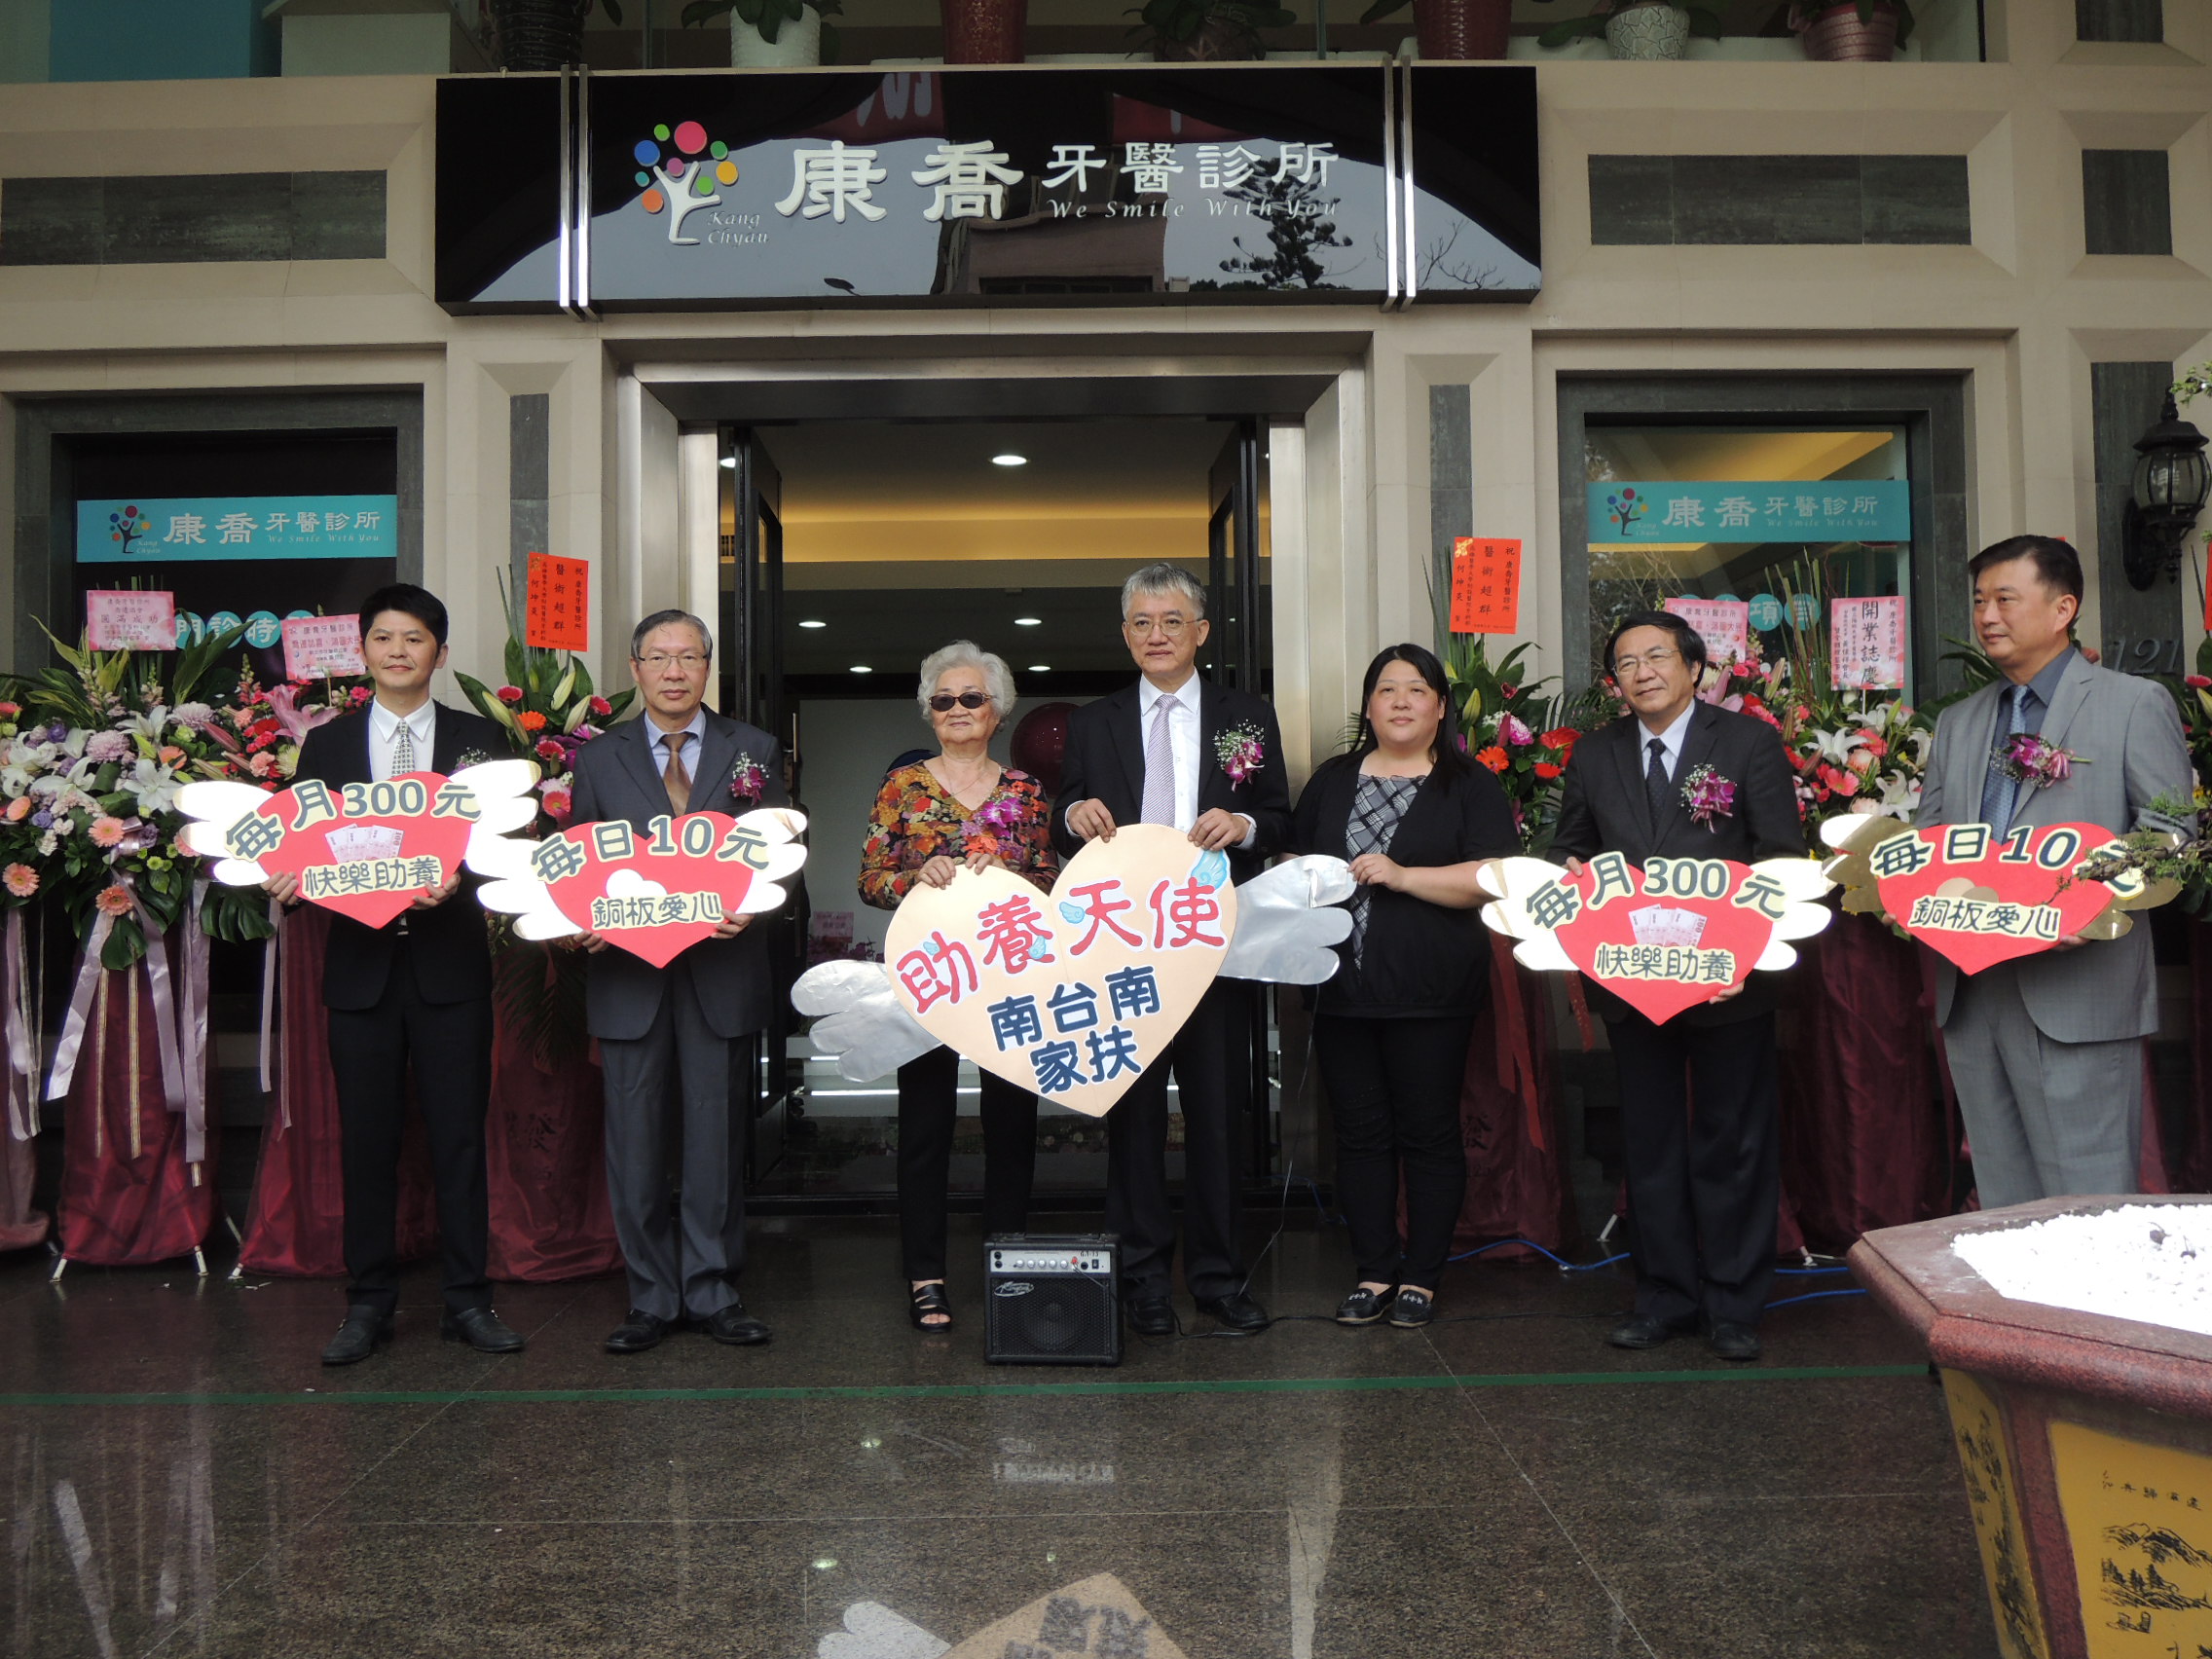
{"x": 1756, "y": 518}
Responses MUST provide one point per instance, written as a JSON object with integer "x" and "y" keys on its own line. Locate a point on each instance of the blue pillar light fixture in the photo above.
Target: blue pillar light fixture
{"x": 2172, "y": 480}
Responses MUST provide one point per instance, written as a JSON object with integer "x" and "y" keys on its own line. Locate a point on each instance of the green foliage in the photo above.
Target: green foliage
{"x": 768, "y": 17}
{"x": 1178, "y": 22}
{"x": 556, "y": 685}
{"x": 541, "y": 991}
{"x": 95, "y": 686}
{"x": 1705, "y": 23}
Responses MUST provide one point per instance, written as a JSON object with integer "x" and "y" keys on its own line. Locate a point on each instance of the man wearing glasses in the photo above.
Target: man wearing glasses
{"x": 1702, "y": 1186}
{"x": 1149, "y": 754}
{"x": 679, "y": 758}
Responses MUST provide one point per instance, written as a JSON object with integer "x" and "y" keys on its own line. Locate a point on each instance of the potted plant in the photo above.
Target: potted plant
{"x": 1852, "y": 31}
{"x": 544, "y": 34}
{"x": 1207, "y": 31}
{"x": 1640, "y": 29}
{"x": 773, "y": 34}
{"x": 1453, "y": 29}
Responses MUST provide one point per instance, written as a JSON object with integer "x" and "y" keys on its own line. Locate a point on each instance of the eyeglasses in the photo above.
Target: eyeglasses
{"x": 1623, "y": 668}
{"x": 1145, "y": 626}
{"x": 945, "y": 701}
{"x": 690, "y": 662}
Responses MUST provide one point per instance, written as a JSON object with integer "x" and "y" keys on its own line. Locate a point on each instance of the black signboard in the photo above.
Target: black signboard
{"x": 992, "y": 184}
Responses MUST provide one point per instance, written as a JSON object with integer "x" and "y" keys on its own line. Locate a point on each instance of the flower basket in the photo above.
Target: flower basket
{"x": 1839, "y": 35}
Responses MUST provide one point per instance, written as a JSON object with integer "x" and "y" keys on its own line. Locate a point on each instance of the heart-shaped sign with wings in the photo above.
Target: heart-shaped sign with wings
{"x": 654, "y": 892}
{"x": 364, "y": 850}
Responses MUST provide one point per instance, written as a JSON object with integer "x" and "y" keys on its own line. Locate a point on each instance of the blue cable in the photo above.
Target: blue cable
{"x": 1813, "y": 1296}
{"x": 1529, "y": 1243}
{"x": 1801, "y": 1271}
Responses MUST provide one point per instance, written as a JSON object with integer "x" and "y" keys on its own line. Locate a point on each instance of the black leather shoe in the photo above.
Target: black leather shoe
{"x": 636, "y": 1333}
{"x": 1236, "y": 1310}
{"x": 1641, "y": 1331}
{"x": 1152, "y": 1316}
{"x": 480, "y": 1328}
{"x": 1413, "y": 1309}
{"x": 366, "y": 1328}
{"x": 1731, "y": 1341}
{"x": 735, "y": 1326}
{"x": 1363, "y": 1307}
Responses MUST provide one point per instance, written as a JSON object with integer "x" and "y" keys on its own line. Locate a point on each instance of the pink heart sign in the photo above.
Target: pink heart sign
{"x": 1071, "y": 993}
{"x": 657, "y": 892}
{"x": 364, "y": 850}
{"x": 1977, "y": 899}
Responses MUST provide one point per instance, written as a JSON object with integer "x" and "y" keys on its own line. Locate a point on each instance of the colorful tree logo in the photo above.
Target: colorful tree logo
{"x": 1624, "y": 510}
{"x": 679, "y": 170}
{"x": 128, "y": 526}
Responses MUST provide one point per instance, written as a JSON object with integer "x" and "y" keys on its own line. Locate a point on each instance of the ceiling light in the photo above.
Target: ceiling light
{"x": 862, "y": 668}
{"x": 813, "y": 622}
{"x": 1040, "y": 668}
{"x": 1028, "y": 621}
{"x": 1010, "y": 459}
{"x": 730, "y": 462}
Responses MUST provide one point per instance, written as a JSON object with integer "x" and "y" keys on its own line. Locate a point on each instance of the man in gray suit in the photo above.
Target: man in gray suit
{"x": 2046, "y": 1049}
{"x": 679, "y": 758}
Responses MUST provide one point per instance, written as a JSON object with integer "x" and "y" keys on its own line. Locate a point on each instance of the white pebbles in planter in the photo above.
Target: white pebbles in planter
{"x": 2150, "y": 1262}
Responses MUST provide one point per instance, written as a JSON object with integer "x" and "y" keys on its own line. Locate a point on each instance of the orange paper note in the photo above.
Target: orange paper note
{"x": 557, "y": 613}
{"x": 1486, "y": 586}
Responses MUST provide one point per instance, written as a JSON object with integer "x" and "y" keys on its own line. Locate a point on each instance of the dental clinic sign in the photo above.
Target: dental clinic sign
{"x": 146, "y": 529}
{"x": 1831, "y": 509}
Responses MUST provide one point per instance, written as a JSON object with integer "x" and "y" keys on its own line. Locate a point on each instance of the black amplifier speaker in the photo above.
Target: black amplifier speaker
{"x": 1051, "y": 1300}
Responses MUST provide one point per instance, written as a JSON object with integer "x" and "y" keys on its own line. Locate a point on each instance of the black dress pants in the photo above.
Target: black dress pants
{"x": 928, "y": 1105}
{"x": 1704, "y": 1179}
{"x": 448, "y": 1046}
{"x": 1211, "y": 1057}
{"x": 1394, "y": 1090}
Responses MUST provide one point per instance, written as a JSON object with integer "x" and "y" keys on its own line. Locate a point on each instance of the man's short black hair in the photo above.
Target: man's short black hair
{"x": 2057, "y": 563}
{"x": 1687, "y": 639}
{"x": 405, "y": 597}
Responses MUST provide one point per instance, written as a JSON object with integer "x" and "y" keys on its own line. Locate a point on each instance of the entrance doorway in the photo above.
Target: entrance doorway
{"x": 851, "y": 548}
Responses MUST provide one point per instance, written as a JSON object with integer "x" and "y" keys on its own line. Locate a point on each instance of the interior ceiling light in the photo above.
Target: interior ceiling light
{"x": 1010, "y": 459}
{"x": 813, "y": 622}
{"x": 1028, "y": 621}
{"x": 730, "y": 462}
{"x": 1040, "y": 668}
{"x": 862, "y": 668}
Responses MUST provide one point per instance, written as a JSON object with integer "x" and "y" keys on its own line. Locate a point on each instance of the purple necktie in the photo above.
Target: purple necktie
{"x": 1159, "y": 767}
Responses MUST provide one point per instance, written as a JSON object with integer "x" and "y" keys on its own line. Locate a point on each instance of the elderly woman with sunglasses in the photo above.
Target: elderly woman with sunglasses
{"x": 959, "y": 809}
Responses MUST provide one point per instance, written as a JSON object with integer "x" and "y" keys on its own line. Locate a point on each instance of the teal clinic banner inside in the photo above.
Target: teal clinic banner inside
{"x": 1833, "y": 509}
{"x": 205, "y": 528}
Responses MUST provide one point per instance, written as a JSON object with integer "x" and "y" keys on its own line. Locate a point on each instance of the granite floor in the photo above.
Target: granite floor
{"x": 184, "y": 1477}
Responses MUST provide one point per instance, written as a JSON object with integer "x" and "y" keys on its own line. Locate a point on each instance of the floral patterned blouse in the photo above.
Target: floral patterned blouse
{"x": 916, "y": 819}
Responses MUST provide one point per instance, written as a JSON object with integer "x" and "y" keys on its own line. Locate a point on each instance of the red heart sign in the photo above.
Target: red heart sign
{"x": 1667, "y": 937}
{"x": 658, "y": 892}
{"x": 364, "y": 850}
{"x": 1978, "y": 900}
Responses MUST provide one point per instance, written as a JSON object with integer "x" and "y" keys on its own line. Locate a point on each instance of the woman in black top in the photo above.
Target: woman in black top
{"x": 1415, "y": 819}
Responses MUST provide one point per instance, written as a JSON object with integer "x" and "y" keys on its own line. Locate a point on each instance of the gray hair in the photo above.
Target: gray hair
{"x": 670, "y": 620}
{"x": 1163, "y": 578}
{"x": 998, "y": 679}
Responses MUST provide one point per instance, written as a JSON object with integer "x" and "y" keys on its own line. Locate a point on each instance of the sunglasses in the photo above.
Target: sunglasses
{"x": 945, "y": 701}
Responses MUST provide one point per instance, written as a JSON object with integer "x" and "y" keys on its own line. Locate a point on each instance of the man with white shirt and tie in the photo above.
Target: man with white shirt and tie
{"x": 413, "y": 994}
{"x": 1152, "y": 753}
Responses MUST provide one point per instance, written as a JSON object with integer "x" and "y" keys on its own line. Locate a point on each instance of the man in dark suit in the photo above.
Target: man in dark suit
{"x": 1148, "y": 754}
{"x": 679, "y": 758}
{"x": 1702, "y": 1187}
{"x": 415, "y": 992}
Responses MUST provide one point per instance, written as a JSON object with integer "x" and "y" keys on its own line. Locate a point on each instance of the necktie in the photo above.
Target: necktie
{"x": 1159, "y": 767}
{"x": 673, "y": 776}
{"x": 1658, "y": 788}
{"x": 1999, "y": 794}
{"x": 403, "y": 751}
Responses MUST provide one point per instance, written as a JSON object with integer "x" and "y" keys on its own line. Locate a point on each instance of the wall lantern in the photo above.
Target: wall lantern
{"x": 2171, "y": 483}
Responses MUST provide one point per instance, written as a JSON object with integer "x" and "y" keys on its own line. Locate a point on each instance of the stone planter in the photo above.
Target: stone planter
{"x": 1837, "y": 36}
{"x": 796, "y": 46}
{"x": 1647, "y": 33}
{"x": 1461, "y": 29}
{"x": 984, "y": 31}
{"x": 2086, "y": 1442}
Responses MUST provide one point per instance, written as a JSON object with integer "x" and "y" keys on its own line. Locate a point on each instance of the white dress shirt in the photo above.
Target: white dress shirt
{"x": 1673, "y": 739}
{"x": 384, "y": 732}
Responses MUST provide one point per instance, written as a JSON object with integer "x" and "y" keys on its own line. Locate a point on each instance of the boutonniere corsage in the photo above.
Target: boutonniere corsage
{"x": 746, "y": 779}
{"x": 982, "y": 829}
{"x": 2027, "y": 759}
{"x": 1706, "y": 795}
{"x": 471, "y": 757}
{"x": 1240, "y": 750}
